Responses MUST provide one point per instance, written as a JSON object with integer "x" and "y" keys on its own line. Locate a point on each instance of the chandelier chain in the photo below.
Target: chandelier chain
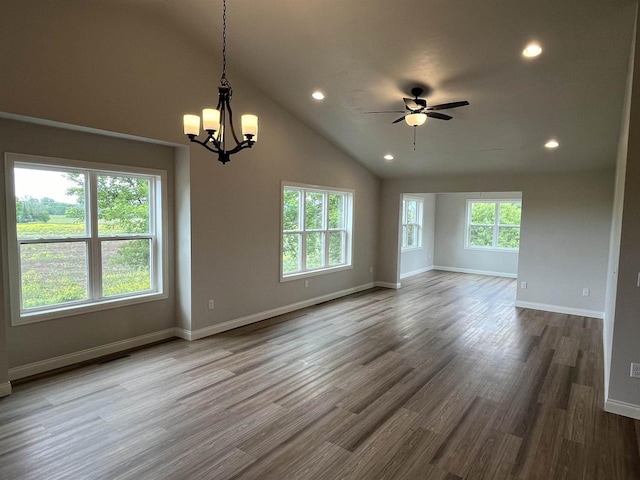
{"x": 223, "y": 79}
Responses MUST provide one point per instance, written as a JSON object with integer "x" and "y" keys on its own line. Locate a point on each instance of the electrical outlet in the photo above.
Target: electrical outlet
{"x": 585, "y": 292}
{"x": 306, "y": 283}
{"x": 211, "y": 304}
{"x": 523, "y": 285}
{"x": 635, "y": 370}
{"x": 370, "y": 269}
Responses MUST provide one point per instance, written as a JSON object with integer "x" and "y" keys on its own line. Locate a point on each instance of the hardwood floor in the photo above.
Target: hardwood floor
{"x": 443, "y": 379}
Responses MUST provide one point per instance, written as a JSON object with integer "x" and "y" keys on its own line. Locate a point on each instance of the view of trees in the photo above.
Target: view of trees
{"x": 483, "y": 220}
{"x": 318, "y": 236}
{"x": 54, "y": 273}
{"x": 29, "y": 209}
{"x": 411, "y": 223}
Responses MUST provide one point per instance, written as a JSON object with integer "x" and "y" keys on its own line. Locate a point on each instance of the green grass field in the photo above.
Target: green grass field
{"x": 56, "y": 273}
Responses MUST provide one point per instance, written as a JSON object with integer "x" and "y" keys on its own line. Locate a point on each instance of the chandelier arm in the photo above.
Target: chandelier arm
{"x": 194, "y": 139}
{"x": 233, "y": 130}
{"x": 242, "y": 146}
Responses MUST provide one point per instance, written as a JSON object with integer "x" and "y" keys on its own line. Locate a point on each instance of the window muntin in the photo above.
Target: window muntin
{"x": 99, "y": 242}
{"x": 412, "y": 222}
{"x": 494, "y": 224}
{"x": 316, "y": 229}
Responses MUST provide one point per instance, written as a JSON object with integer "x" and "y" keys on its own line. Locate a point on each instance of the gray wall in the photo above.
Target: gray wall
{"x": 108, "y": 66}
{"x": 419, "y": 259}
{"x": 625, "y": 345}
{"x": 51, "y": 338}
{"x": 564, "y": 235}
{"x": 451, "y": 222}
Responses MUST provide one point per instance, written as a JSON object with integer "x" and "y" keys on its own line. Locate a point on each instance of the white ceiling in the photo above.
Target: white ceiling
{"x": 367, "y": 54}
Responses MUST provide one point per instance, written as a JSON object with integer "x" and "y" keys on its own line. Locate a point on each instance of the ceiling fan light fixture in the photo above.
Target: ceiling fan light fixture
{"x": 415, "y": 119}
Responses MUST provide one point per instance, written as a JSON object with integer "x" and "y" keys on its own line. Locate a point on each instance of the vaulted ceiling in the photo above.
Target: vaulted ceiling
{"x": 367, "y": 54}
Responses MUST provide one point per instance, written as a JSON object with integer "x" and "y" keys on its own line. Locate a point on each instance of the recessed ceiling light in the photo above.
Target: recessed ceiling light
{"x": 552, "y": 144}
{"x": 388, "y": 157}
{"x": 318, "y": 95}
{"x": 532, "y": 50}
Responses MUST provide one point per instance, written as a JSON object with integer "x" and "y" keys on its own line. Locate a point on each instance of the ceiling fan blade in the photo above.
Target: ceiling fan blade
{"x": 439, "y": 116}
{"x": 388, "y": 111}
{"x": 444, "y": 106}
{"x": 398, "y": 120}
{"x": 412, "y": 104}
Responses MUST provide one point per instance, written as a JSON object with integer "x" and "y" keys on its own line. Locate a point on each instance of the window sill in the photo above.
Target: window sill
{"x": 72, "y": 310}
{"x": 411, "y": 249}
{"x": 314, "y": 273}
{"x": 492, "y": 249}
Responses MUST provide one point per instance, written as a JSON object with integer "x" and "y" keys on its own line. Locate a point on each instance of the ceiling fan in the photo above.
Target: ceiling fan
{"x": 417, "y": 111}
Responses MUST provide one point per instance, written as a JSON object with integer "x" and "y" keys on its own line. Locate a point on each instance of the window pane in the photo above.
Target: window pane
{"x": 336, "y": 211}
{"x": 49, "y": 204}
{"x": 336, "y": 248}
{"x": 53, "y": 273}
{"x": 315, "y": 210}
{"x": 481, "y": 236}
{"x": 411, "y": 236}
{"x": 412, "y": 211}
{"x": 509, "y": 237}
{"x": 484, "y": 213}
{"x": 404, "y": 235}
{"x": 315, "y": 250}
{"x": 510, "y": 213}
{"x": 123, "y": 205}
{"x": 125, "y": 266}
{"x": 291, "y": 246}
{"x": 291, "y": 210}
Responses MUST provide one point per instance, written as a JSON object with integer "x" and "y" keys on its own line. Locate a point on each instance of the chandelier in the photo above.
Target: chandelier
{"x": 218, "y": 122}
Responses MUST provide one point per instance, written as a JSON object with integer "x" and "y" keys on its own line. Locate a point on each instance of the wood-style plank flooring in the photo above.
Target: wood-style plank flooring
{"x": 443, "y": 379}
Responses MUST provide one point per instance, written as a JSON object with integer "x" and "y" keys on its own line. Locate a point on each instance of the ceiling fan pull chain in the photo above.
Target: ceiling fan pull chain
{"x": 414, "y": 138}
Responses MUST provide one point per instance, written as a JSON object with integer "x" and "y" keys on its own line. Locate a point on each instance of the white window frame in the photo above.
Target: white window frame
{"x": 418, "y": 224}
{"x": 158, "y": 236}
{"x": 348, "y": 230}
{"x": 496, "y": 225}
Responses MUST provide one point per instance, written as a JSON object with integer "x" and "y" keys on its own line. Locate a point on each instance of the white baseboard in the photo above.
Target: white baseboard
{"x": 88, "y": 354}
{"x": 622, "y": 408}
{"x": 257, "y": 317}
{"x": 416, "y": 272}
{"x": 5, "y": 389}
{"x": 388, "y": 285}
{"x": 91, "y": 353}
{"x": 560, "y": 309}
{"x": 475, "y": 272}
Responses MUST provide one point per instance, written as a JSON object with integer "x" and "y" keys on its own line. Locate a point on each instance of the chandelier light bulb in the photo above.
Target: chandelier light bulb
{"x": 191, "y": 125}
{"x": 250, "y": 127}
{"x": 211, "y": 119}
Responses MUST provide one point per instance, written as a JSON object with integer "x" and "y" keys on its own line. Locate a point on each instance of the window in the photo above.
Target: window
{"x": 411, "y": 222}
{"x": 316, "y": 230}
{"x": 82, "y": 236}
{"x": 493, "y": 224}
